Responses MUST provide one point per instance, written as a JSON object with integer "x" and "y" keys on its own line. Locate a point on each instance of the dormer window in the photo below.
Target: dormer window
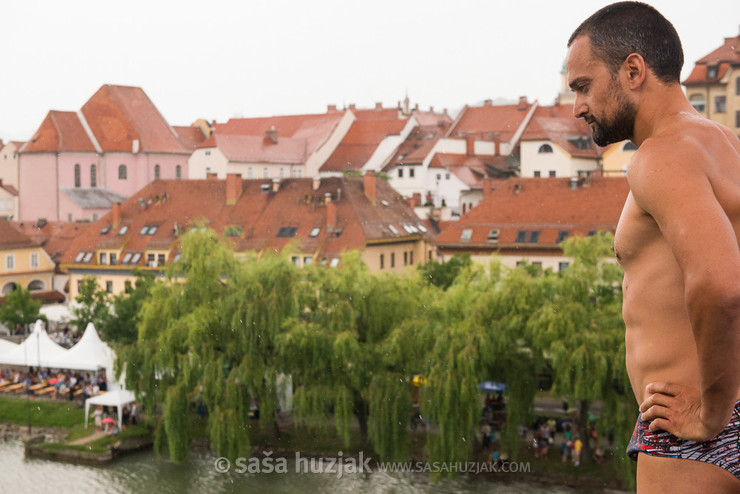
{"x": 712, "y": 71}
{"x": 466, "y": 235}
{"x": 545, "y": 148}
{"x": 287, "y": 231}
{"x": 493, "y": 235}
{"x": 315, "y": 232}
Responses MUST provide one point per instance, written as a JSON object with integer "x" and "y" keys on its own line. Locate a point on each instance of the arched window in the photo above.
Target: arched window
{"x": 545, "y": 148}
{"x": 156, "y": 172}
{"x": 122, "y": 172}
{"x": 78, "y": 176}
{"x": 93, "y": 176}
{"x": 9, "y": 287}
{"x": 36, "y": 286}
{"x": 178, "y": 172}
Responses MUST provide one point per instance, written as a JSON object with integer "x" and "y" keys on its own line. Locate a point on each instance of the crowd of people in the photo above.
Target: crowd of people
{"x": 62, "y": 384}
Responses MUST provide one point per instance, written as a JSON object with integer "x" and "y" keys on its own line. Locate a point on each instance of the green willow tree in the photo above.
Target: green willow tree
{"x": 352, "y": 350}
{"x": 120, "y": 326}
{"x": 206, "y": 338}
{"x": 478, "y": 330}
{"x": 580, "y": 328}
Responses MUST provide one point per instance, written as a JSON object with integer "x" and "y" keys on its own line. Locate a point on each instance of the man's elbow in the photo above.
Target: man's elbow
{"x": 720, "y": 293}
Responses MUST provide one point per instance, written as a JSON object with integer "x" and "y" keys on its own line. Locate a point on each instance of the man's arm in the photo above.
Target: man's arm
{"x": 674, "y": 189}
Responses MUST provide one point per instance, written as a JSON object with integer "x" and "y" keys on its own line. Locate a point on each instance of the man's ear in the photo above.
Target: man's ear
{"x": 634, "y": 70}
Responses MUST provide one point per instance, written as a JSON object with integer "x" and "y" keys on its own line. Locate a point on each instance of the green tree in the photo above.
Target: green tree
{"x": 206, "y": 336}
{"x": 580, "y": 328}
{"x": 120, "y": 326}
{"x": 443, "y": 274}
{"x": 19, "y": 309}
{"x": 91, "y": 304}
{"x": 353, "y": 350}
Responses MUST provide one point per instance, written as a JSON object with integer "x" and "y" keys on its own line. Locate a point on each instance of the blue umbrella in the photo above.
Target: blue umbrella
{"x": 492, "y": 387}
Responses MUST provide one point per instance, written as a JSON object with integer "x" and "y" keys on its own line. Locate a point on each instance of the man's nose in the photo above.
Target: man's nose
{"x": 580, "y": 109}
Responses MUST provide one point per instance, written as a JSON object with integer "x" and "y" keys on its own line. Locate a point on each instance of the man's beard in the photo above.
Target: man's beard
{"x": 619, "y": 127}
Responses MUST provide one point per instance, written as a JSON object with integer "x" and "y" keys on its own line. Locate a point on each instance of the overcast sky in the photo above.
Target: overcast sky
{"x": 221, "y": 59}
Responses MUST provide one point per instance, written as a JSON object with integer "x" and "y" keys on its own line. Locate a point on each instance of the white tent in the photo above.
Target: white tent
{"x": 116, "y": 398}
{"x": 38, "y": 350}
{"x": 6, "y": 346}
{"x": 90, "y": 353}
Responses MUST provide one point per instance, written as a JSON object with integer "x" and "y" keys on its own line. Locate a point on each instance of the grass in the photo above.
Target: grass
{"x": 40, "y": 413}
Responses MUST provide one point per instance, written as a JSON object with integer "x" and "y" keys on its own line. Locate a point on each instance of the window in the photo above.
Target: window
{"x": 127, "y": 286}
{"x": 296, "y": 260}
{"x": 712, "y": 72}
{"x": 315, "y": 232}
{"x": 493, "y": 235}
{"x": 552, "y": 174}
{"x": 109, "y": 286}
{"x": 534, "y": 236}
{"x": 156, "y": 172}
{"x": 720, "y": 104}
{"x": 178, "y": 172}
{"x": 234, "y": 231}
{"x": 393, "y": 259}
{"x": 447, "y": 176}
{"x": 400, "y": 173}
{"x": 136, "y": 258}
{"x": 264, "y": 173}
{"x": 536, "y": 174}
{"x": 411, "y": 172}
{"x": 113, "y": 259}
{"x": 405, "y": 258}
{"x": 562, "y": 265}
{"x": 545, "y": 148}
{"x": 382, "y": 261}
{"x": 282, "y": 173}
{"x": 249, "y": 173}
{"x": 208, "y": 153}
{"x": 103, "y": 258}
{"x": 439, "y": 176}
{"x": 122, "y": 172}
{"x": 34, "y": 260}
{"x": 93, "y": 176}
{"x": 126, "y": 258}
{"x": 698, "y": 102}
{"x": 737, "y": 86}
{"x": 151, "y": 260}
{"x": 334, "y": 262}
{"x": 148, "y": 230}
{"x": 123, "y": 230}
{"x": 78, "y": 176}
{"x": 10, "y": 262}
{"x": 466, "y": 235}
{"x": 521, "y": 236}
{"x": 411, "y": 257}
{"x": 160, "y": 259}
{"x": 562, "y": 235}
{"x": 307, "y": 260}
{"x": 737, "y": 118}
{"x": 287, "y": 231}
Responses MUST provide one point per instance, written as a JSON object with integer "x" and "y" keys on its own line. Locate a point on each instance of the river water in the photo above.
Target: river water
{"x": 144, "y": 472}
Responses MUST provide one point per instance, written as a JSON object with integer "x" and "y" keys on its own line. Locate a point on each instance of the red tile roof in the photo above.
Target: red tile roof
{"x": 120, "y": 115}
{"x": 489, "y": 120}
{"x": 256, "y": 217}
{"x": 258, "y": 149}
{"x": 10, "y": 238}
{"x": 360, "y": 143}
{"x": 418, "y": 144}
{"x": 60, "y": 131}
{"x": 548, "y": 205}
{"x": 725, "y": 56}
{"x": 472, "y": 170}
{"x": 55, "y": 237}
{"x": 313, "y": 129}
{"x": 190, "y": 136}
{"x": 557, "y": 124}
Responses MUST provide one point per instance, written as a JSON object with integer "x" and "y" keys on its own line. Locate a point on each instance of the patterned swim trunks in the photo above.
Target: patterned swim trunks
{"x": 723, "y": 450}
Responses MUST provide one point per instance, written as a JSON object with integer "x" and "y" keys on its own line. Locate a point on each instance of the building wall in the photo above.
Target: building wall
{"x": 615, "y": 159}
{"x": 9, "y": 164}
{"x": 8, "y": 205}
{"x": 316, "y": 160}
{"x": 38, "y": 187}
{"x": 140, "y": 170}
{"x": 397, "y": 257}
{"x": 559, "y": 161}
{"x": 727, "y": 88}
{"x": 23, "y": 273}
{"x": 208, "y": 160}
{"x": 443, "y": 184}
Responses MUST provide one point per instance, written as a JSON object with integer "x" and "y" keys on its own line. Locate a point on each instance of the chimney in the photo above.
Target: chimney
{"x": 331, "y": 108}
{"x": 431, "y": 109}
{"x": 352, "y": 106}
{"x": 517, "y": 188}
{"x": 416, "y": 107}
{"x": 331, "y": 211}
{"x": 272, "y": 134}
{"x": 497, "y": 146}
{"x": 316, "y": 183}
{"x": 116, "y": 213}
{"x": 379, "y": 106}
{"x": 233, "y": 188}
{"x": 488, "y": 102}
{"x": 275, "y": 184}
{"x": 522, "y": 103}
{"x": 470, "y": 145}
{"x": 368, "y": 183}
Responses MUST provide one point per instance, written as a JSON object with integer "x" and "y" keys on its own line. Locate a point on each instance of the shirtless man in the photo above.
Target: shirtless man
{"x": 677, "y": 241}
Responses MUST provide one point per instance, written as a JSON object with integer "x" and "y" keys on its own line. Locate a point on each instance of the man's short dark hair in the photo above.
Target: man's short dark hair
{"x": 623, "y": 28}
